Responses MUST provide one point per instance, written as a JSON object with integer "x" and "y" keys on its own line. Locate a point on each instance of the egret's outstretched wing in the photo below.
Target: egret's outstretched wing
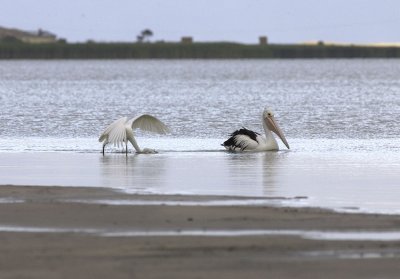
{"x": 149, "y": 123}
{"x": 115, "y": 133}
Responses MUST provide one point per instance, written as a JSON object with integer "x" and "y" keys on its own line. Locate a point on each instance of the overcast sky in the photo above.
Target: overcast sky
{"x": 284, "y": 21}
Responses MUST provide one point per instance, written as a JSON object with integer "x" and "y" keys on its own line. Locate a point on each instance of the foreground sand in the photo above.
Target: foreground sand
{"x": 91, "y": 255}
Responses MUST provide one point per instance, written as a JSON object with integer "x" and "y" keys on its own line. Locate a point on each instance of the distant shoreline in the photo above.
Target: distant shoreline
{"x": 190, "y": 51}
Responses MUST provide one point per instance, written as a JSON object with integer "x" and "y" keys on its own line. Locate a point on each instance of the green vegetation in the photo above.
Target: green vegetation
{"x": 91, "y": 50}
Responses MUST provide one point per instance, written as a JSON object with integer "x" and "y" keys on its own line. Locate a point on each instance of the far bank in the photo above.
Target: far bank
{"x": 163, "y": 50}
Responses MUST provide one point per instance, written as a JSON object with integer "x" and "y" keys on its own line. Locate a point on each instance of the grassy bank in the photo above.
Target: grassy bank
{"x": 188, "y": 51}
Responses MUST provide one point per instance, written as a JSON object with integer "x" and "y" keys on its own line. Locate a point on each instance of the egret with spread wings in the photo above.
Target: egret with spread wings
{"x": 121, "y": 131}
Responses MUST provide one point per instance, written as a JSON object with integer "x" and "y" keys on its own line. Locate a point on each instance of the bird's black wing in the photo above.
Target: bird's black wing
{"x": 241, "y": 139}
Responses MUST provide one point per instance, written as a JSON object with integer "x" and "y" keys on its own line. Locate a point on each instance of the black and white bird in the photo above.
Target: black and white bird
{"x": 121, "y": 131}
{"x": 247, "y": 140}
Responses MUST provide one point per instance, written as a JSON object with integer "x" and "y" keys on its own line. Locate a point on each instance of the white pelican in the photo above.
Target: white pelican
{"x": 121, "y": 131}
{"x": 247, "y": 140}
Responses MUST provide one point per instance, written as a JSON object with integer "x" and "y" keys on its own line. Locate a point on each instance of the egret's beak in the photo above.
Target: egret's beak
{"x": 273, "y": 126}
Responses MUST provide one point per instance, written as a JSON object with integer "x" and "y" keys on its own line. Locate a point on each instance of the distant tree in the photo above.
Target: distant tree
{"x": 144, "y": 35}
{"x": 147, "y": 33}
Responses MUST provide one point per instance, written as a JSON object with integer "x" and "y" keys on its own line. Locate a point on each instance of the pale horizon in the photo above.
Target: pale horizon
{"x": 353, "y": 22}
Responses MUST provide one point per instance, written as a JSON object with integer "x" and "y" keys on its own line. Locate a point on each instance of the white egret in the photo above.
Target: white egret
{"x": 247, "y": 140}
{"x": 121, "y": 131}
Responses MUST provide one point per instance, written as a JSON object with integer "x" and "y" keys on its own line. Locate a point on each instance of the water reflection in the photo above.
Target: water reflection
{"x": 138, "y": 172}
{"x": 270, "y": 171}
{"x": 220, "y": 173}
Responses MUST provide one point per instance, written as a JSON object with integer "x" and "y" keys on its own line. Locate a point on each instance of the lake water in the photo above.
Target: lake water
{"x": 340, "y": 117}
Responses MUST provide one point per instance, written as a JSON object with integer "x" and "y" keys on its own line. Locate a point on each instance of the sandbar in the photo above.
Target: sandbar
{"x": 89, "y": 232}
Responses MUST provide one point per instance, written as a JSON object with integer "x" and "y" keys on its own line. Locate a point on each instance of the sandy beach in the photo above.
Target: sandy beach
{"x": 78, "y": 232}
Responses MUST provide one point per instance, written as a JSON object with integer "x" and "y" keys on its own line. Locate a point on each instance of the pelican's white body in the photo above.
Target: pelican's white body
{"x": 247, "y": 140}
{"x": 265, "y": 142}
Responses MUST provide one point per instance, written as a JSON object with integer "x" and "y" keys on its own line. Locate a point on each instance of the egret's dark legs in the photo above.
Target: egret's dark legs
{"x": 103, "y": 148}
{"x": 126, "y": 148}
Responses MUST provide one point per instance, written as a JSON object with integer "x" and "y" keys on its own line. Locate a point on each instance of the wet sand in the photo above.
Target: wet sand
{"x": 79, "y": 248}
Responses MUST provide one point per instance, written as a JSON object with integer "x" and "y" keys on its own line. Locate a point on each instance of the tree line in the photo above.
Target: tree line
{"x": 139, "y": 50}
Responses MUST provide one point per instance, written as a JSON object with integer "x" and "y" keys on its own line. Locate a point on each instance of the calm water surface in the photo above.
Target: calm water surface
{"x": 341, "y": 118}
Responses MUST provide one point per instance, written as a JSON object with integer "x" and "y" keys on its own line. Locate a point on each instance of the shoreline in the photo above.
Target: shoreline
{"x": 46, "y": 254}
{"x": 102, "y": 195}
{"x": 195, "y": 50}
